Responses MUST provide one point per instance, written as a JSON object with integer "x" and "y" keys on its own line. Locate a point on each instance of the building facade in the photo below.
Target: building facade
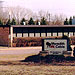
{"x": 43, "y": 30}
{"x": 13, "y": 31}
{"x": 4, "y": 34}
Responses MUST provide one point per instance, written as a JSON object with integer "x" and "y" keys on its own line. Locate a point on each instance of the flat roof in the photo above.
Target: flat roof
{"x": 37, "y": 26}
{"x": 43, "y": 25}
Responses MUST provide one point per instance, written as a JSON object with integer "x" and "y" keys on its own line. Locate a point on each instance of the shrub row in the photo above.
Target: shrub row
{"x": 23, "y": 42}
{"x": 33, "y": 41}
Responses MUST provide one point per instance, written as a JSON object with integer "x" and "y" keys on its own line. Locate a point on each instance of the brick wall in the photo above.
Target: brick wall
{"x": 4, "y": 33}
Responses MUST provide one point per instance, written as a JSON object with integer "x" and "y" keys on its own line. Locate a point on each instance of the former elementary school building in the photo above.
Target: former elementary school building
{"x": 13, "y": 31}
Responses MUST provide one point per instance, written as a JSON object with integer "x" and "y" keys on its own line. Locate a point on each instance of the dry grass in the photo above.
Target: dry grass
{"x": 14, "y": 57}
{"x": 21, "y": 68}
{"x": 9, "y": 65}
{"x": 36, "y": 70}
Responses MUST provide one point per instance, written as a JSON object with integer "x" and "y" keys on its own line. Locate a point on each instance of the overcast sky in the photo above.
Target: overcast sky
{"x": 66, "y": 7}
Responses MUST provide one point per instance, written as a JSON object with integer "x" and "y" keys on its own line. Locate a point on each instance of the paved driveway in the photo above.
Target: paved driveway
{"x": 19, "y": 50}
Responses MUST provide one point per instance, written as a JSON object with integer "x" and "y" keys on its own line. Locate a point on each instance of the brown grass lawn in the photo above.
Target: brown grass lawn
{"x": 14, "y": 57}
{"x": 20, "y": 68}
{"x": 36, "y": 70}
{"x": 9, "y": 65}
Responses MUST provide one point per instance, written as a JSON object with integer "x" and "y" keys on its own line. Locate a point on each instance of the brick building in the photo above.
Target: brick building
{"x": 4, "y": 34}
{"x": 13, "y": 31}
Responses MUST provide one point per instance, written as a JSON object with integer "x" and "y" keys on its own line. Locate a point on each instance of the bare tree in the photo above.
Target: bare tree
{"x": 18, "y": 13}
{"x": 58, "y": 19}
{"x": 46, "y": 14}
{"x": 52, "y": 19}
{"x": 42, "y": 14}
{"x": 3, "y": 15}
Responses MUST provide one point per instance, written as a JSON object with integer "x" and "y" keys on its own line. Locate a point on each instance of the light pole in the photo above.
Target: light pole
{"x": 9, "y": 14}
{"x": 49, "y": 17}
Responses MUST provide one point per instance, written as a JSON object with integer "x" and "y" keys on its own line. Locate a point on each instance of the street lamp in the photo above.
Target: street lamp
{"x": 49, "y": 17}
{"x": 9, "y": 14}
